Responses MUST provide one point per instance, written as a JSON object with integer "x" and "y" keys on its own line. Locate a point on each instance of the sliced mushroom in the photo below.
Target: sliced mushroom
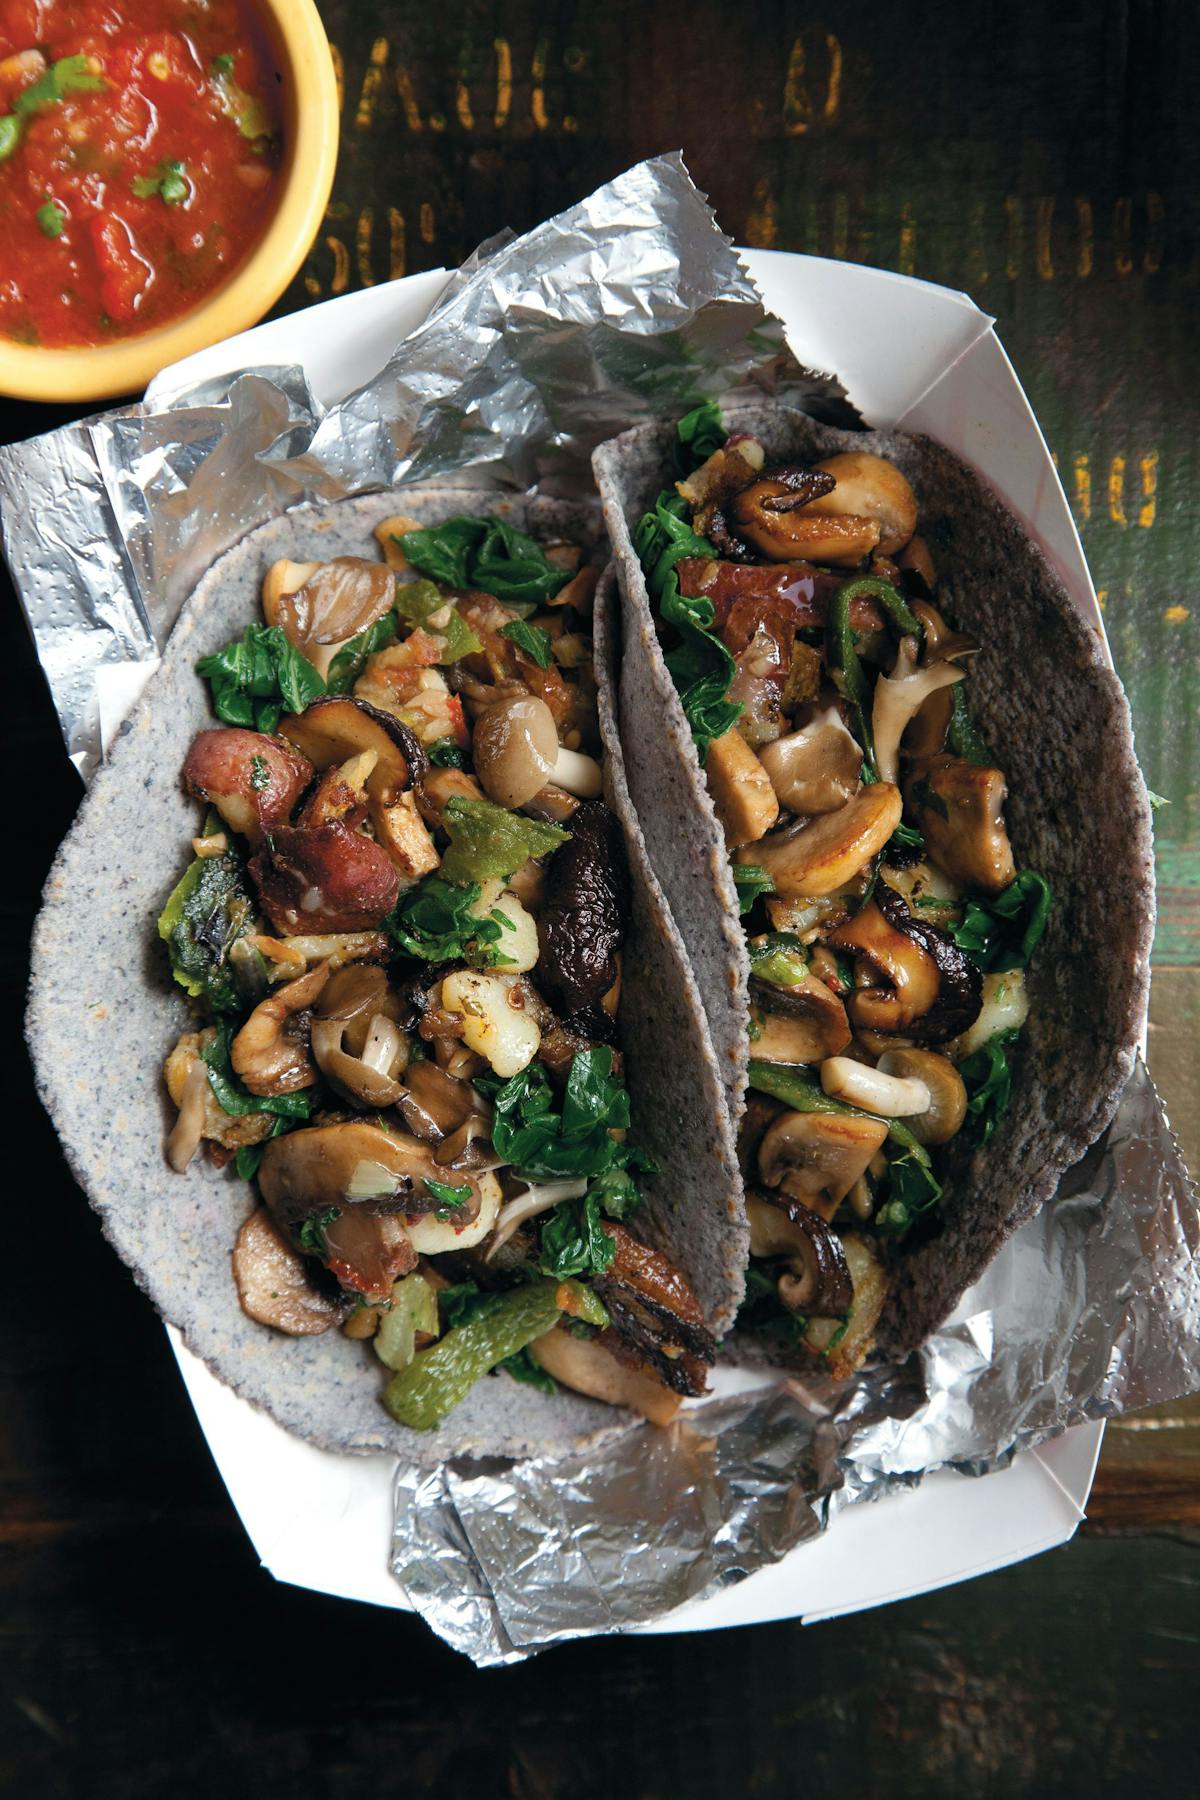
{"x": 438, "y": 788}
{"x": 336, "y": 728}
{"x": 858, "y": 1084}
{"x": 590, "y": 1366}
{"x": 808, "y": 860}
{"x": 340, "y": 794}
{"x": 434, "y": 1105}
{"x": 254, "y": 781}
{"x": 184, "y": 1138}
{"x": 274, "y": 1284}
{"x": 959, "y": 981}
{"x": 816, "y": 769}
{"x": 816, "y": 1278}
{"x": 947, "y": 1108}
{"x": 958, "y": 807}
{"x": 803, "y": 1023}
{"x": 905, "y": 965}
{"x": 817, "y": 1157}
{"x": 268, "y": 1053}
{"x": 898, "y": 698}
{"x": 656, "y": 1318}
{"x": 870, "y": 507}
{"x": 916, "y": 560}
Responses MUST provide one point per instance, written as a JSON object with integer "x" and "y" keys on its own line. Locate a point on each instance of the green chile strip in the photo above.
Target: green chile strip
{"x": 794, "y": 1085}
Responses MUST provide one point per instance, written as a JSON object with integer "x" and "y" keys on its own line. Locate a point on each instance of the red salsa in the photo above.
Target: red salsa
{"x": 139, "y": 149}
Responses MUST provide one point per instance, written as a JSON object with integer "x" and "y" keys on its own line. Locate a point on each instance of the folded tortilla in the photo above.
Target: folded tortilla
{"x": 104, "y": 1011}
{"x": 1058, "y": 720}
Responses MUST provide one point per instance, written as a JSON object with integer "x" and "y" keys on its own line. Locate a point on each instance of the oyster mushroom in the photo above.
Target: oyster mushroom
{"x": 803, "y": 1023}
{"x": 811, "y": 859}
{"x": 435, "y": 1105}
{"x": 958, "y": 807}
{"x": 269, "y": 1054}
{"x": 330, "y": 604}
{"x": 815, "y": 769}
{"x": 356, "y": 1040}
{"x": 817, "y": 1157}
{"x": 898, "y": 698}
{"x": 938, "y": 1122}
{"x": 816, "y": 1276}
{"x": 274, "y": 1284}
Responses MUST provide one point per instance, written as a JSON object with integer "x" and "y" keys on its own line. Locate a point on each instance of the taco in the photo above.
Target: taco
{"x": 411, "y": 1082}
{"x": 907, "y": 845}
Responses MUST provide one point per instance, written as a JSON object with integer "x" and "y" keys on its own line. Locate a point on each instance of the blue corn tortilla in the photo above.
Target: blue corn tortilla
{"x": 1058, "y": 722}
{"x": 103, "y": 1012}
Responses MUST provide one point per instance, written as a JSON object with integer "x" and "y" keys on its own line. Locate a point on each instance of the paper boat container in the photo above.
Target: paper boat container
{"x": 909, "y": 354}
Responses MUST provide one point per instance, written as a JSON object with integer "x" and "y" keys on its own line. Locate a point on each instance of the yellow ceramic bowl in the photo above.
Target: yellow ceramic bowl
{"x": 310, "y": 125}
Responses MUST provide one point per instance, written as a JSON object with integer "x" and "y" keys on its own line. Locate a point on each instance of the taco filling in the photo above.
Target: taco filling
{"x": 888, "y": 927}
{"x": 402, "y": 935}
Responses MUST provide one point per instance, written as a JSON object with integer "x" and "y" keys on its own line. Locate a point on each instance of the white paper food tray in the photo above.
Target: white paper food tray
{"x": 909, "y": 354}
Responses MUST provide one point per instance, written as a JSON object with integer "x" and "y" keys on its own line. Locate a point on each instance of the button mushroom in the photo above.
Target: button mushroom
{"x": 815, "y": 769}
{"x": 809, "y": 860}
{"x": 515, "y": 748}
{"x": 274, "y": 1284}
{"x": 741, "y": 789}
{"x": 817, "y": 1157}
{"x": 816, "y": 1277}
{"x": 958, "y": 807}
{"x": 803, "y": 1023}
{"x": 269, "y": 1053}
{"x": 898, "y": 698}
{"x": 254, "y": 781}
{"x": 943, "y": 1116}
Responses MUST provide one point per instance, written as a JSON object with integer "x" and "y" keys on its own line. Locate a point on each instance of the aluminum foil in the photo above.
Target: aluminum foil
{"x": 630, "y": 305}
{"x": 1092, "y": 1309}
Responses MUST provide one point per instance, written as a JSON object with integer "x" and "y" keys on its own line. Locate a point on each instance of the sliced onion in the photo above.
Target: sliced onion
{"x": 184, "y": 1140}
{"x": 372, "y": 1181}
{"x": 385, "y": 1045}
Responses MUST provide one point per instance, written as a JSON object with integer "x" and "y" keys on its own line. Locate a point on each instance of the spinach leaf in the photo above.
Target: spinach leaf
{"x": 962, "y": 735}
{"x": 444, "y": 753}
{"x": 233, "y": 1096}
{"x": 433, "y": 921}
{"x": 208, "y": 910}
{"x": 700, "y": 665}
{"x": 486, "y": 554}
{"x": 698, "y": 435}
{"x": 1003, "y": 932}
{"x": 574, "y": 1241}
{"x": 531, "y": 639}
{"x": 912, "y": 1189}
{"x": 522, "y": 1367}
{"x": 750, "y": 880}
{"x": 987, "y": 1078}
{"x": 350, "y": 660}
{"x": 543, "y": 1144}
{"x": 259, "y": 677}
{"x": 488, "y": 843}
{"x": 311, "y": 1235}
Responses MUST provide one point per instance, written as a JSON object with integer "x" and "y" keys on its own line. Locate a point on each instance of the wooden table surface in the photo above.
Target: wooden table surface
{"x": 1045, "y": 160}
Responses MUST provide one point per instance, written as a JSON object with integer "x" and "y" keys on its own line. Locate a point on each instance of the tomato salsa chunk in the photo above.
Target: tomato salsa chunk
{"x": 139, "y": 155}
